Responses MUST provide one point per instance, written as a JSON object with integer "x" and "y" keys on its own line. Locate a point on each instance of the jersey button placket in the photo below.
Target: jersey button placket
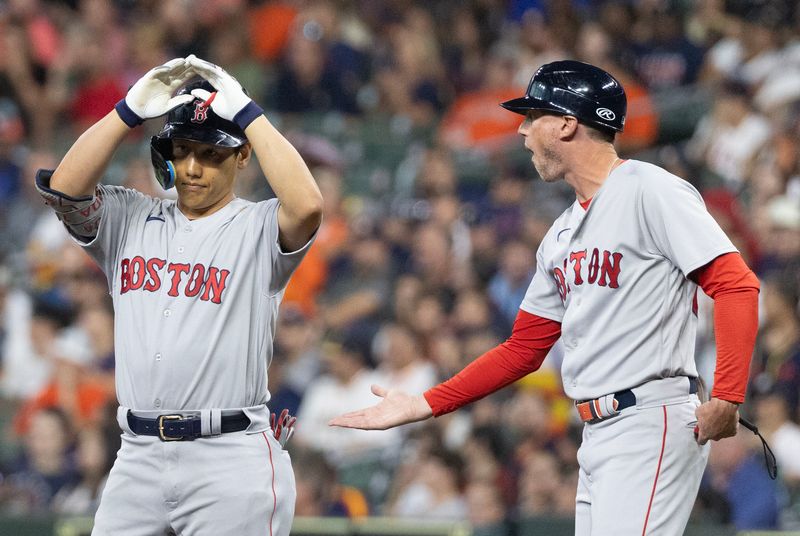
{"x": 158, "y": 356}
{"x": 167, "y": 312}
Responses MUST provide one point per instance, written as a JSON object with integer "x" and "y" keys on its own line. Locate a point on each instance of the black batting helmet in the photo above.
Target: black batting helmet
{"x": 575, "y": 88}
{"x": 195, "y": 122}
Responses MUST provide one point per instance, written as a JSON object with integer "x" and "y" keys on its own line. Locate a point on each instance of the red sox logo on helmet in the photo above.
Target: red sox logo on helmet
{"x": 200, "y": 113}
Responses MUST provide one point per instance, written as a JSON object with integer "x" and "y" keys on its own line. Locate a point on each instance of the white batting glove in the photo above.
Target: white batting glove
{"x": 151, "y": 95}
{"x": 231, "y": 102}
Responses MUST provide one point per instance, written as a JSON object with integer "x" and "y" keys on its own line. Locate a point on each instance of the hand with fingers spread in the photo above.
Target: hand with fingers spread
{"x": 231, "y": 102}
{"x": 395, "y": 409}
{"x": 152, "y": 95}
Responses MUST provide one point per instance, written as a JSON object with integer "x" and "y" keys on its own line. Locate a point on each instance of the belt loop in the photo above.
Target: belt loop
{"x": 205, "y": 422}
{"x": 216, "y": 421}
{"x": 608, "y": 404}
{"x": 122, "y": 419}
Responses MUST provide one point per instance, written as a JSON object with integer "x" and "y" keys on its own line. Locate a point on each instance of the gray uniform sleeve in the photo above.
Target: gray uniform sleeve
{"x": 679, "y": 226}
{"x": 542, "y": 297}
{"x": 281, "y": 264}
{"x": 121, "y": 204}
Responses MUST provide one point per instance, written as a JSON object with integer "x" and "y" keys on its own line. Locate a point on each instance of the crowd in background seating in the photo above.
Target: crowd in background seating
{"x": 433, "y": 214}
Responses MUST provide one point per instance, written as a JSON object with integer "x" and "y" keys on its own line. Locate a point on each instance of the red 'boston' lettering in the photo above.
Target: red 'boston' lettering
{"x": 207, "y": 282}
{"x": 576, "y": 257}
{"x": 561, "y": 283}
{"x": 153, "y": 267}
{"x": 195, "y": 283}
{"x": 610, "y": 269}
{"x": 125, "y": 276}
{"x": 603, "y": 267}
{"x": 215, "y": 283}
{"x": 137, "y": 272}
{"x": 594, "y": 266}
{"x": 178, "y": 269}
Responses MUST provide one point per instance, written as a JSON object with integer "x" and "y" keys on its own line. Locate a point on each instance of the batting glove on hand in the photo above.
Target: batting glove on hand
{"x": 282, "y": 427}
{"x": 151, "y": 95}
{"x": 231, "y": 102}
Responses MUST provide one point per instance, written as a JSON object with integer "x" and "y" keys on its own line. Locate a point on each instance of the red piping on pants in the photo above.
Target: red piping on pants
{"x": 658, "y": 471}
{"x": 274, "y": 495}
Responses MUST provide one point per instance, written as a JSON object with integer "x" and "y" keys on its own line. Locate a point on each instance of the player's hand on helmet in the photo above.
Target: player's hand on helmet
{"x": 230, "y": 100}
{"x": 395, "y": 409}
{"x": 716, "y": 419}
{"x": 151, "y": 95}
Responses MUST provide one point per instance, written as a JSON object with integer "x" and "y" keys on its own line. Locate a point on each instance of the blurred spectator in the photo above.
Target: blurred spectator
{"x": 296, "y": 358}
{"x": 475, "y": 121}
{"x": 728, "y": 139}
{"x": 641, "y": 120}
{"x": 736, "y": 472}
{"x": 410, "y": 79}
{"x": 782, "y": 433}
{"x": 781, "y": 216}
{"x": 94, "y": 457}
{"x": 750, "y": 48}
{"x": 663, "y": 55}
{"x": 507, "y": 288}
{"x": 318, "y": 491}
{"x": 44, "y": 467}
{"x": 309, "y": 280}
{"x": 777, "y": 360}
{"x": 486, "y": 510}
{"x": 401, "y": 363}
{"x": 307, "y": 79}
{"x": 435, "y": 492}
{"x": 358, "y": 297}
{"x": 345, "y": 386}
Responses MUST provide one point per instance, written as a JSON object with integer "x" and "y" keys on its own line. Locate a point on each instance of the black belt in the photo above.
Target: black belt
{"x": 591, "y": 413}
{"x": 176, "y": 427}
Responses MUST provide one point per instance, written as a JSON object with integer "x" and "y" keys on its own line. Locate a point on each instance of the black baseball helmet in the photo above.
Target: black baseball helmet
{"x": 195, "y": 122}
{"x": 575, "y": 88}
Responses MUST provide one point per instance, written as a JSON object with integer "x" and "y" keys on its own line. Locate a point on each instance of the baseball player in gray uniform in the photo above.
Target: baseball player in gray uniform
{"x": 616, "y": 279}
{"x": 196, "y": 285}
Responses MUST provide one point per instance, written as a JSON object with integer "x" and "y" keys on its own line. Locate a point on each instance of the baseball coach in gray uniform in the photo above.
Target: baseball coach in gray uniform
{"x": 196, "y": 285}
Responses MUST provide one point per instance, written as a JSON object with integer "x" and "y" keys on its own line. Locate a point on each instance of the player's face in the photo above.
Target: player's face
{"x": 204, "y": 176}
{"x": 538, "y": 131}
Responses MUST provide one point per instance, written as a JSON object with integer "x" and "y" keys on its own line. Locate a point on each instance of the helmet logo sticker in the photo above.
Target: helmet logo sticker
{"x": 200, "y": 113}
{"x": 606, "y": 114}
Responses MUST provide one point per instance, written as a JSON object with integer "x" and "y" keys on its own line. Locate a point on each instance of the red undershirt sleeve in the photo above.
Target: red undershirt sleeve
{"x": 734, "y": 289}
{"x": 522, "y": 353}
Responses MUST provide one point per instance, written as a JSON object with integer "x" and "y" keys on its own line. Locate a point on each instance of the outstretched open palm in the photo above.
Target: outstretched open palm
{"x": 395, "y": 409}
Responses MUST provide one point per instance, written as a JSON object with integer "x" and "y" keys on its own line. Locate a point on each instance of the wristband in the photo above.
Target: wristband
{"x": 247, "y": 115}
{"x": 127, "y": 115}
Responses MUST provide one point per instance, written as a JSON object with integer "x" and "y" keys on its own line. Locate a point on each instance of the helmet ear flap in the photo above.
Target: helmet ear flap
{"x": 160, "y": 156}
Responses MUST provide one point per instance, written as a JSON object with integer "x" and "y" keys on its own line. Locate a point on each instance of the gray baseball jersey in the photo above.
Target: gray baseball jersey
{"x": 195, "y": 300}
{"x": 615, "y": 276}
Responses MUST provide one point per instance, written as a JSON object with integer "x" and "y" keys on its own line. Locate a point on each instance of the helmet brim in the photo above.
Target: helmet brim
{"x": 203, "y": 135}
{"x": 523, "y": 105}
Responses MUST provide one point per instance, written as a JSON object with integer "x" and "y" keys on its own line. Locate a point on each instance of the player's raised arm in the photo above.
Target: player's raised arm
{"x": 300, "y": 212}
{"x": 524, "y": 351}
{"x": 150, "y": 97}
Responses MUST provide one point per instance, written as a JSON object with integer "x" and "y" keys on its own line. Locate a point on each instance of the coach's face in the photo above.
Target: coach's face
{"x": 540, "y": 133}
{"x": 204, "y": 175}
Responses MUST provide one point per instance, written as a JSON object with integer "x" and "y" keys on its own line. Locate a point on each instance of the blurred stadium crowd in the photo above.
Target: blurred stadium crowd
{"x": 433, "y": 214}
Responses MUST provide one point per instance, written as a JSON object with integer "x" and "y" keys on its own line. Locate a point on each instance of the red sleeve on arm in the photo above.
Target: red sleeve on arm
{"x": 523, "y": 352}
{"x": 734, "y": 288}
